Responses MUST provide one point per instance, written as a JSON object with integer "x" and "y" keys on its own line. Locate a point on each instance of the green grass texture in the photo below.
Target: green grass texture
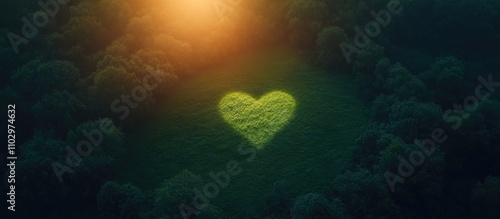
{"x": 303, "y": 121}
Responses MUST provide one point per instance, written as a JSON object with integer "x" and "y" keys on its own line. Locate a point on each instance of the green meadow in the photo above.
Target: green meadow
{"x": 309, "y": 126}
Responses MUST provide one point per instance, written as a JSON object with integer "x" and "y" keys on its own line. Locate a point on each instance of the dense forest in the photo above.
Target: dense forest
{"x": 426, "y": 71}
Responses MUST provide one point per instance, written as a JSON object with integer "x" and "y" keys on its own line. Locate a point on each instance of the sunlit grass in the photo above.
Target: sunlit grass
{"x": 257, "y": 120}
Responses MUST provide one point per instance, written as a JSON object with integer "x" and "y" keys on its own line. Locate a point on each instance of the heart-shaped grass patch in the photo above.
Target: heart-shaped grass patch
{"x": 257, "y": 120}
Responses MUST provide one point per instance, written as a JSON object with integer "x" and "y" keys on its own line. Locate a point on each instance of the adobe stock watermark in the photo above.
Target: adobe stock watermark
{"x": 84, "y": 148}
{"x": 224, "y": 7}
{"x": 126, "y": 102}
{"x": 428, "y": 146}
{"x": 38, "y": 20}
{"x": 95, "y": 137}
{"x": 372, "y": 29}
{"x": 220, "y": 181}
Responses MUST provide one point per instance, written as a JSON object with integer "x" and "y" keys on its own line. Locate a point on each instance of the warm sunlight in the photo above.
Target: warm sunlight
{"x": 203, "y": 24}
{"x": 250, "y": 109}
{"x": 193, "y": 10}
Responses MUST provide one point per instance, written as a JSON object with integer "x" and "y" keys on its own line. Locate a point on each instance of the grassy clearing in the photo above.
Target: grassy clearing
{"x": 188, "y": 131}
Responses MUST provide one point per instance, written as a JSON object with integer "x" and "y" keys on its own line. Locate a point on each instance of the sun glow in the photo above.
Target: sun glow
{"x": 208, "y": 30}
{"x": 199, "y": 10}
